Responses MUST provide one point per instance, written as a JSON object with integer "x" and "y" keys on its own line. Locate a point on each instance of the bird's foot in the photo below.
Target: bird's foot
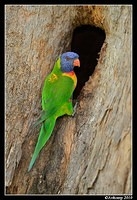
{"x": 74, "y": 109}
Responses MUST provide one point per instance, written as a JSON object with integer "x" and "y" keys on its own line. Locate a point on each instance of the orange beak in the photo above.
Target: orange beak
{"x": 76, "y": 63}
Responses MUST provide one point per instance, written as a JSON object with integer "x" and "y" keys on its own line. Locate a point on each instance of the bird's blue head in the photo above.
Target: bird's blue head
{"x": 68, "y": 61}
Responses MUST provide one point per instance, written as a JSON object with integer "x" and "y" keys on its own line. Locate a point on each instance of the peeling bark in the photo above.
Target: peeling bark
{"x": 89, "y": 153}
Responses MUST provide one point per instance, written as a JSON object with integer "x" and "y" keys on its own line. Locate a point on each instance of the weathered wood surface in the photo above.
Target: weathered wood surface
{"x": 89, "y": 153}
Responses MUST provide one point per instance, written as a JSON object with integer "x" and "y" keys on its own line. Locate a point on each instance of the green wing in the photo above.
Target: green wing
{"x": 55, "y": 94}
{"x": 57, "y": 91}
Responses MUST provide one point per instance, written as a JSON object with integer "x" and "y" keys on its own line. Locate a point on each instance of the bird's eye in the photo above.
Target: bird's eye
{"x": 67, "y": 58}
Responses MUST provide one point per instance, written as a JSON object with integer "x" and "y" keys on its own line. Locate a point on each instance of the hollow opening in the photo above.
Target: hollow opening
{"x": 87, "y": 41}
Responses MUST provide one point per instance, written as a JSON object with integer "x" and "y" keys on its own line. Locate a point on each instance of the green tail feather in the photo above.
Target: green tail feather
{"x": 45, "y": 133}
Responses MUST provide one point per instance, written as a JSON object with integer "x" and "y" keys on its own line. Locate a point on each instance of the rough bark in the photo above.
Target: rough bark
{"x": 89, "y": 153}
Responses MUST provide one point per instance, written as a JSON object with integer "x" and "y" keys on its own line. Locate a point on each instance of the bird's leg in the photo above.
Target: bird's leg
{"x": 74, "y": 109}
{"x": 75, "y": 103}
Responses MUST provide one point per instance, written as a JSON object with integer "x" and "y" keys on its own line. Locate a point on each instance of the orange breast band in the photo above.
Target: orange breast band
{"x": 71, "y": 75}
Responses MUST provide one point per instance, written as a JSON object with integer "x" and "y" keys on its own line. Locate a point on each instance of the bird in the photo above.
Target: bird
{"x": 57, "y": 96}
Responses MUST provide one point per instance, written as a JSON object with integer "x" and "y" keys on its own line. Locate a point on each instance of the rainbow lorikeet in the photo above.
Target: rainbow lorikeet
{"x": 56, "y": 97}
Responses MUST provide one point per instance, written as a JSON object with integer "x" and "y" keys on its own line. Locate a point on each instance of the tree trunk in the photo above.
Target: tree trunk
{"x": 89, "y": 153}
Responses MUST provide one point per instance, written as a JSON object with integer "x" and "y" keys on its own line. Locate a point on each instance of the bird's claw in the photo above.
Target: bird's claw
{"x": 74, "y": 109}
